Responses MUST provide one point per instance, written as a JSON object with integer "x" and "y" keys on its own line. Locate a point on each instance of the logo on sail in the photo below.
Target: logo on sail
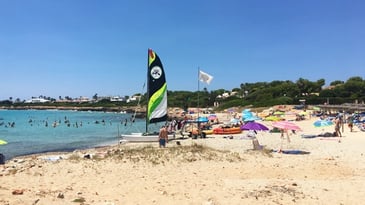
{"x": 156, "y": 72}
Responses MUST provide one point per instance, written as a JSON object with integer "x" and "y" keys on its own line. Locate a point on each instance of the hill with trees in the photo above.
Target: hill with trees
{"x": 259, "y": 94}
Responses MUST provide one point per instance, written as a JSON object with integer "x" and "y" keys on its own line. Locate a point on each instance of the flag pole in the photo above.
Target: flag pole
{"x": 198, "y": 100}
{"x": 198, "y": 89}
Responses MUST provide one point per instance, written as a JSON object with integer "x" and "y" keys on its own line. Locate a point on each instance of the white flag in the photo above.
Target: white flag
{"x": 205, "y": 77}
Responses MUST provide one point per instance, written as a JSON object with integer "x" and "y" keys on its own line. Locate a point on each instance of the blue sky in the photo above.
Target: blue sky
{"x": 82, "y": 47}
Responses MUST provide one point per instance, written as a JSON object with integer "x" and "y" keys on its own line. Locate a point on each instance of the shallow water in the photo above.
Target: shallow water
{"x": 38, "y": 131}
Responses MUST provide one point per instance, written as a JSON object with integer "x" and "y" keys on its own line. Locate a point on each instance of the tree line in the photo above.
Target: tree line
{"x": 258, "y": 94}
{"x": 263, "y": 94}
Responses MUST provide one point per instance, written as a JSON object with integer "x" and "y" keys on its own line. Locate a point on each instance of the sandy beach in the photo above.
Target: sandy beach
{"x": 215, "y": 170}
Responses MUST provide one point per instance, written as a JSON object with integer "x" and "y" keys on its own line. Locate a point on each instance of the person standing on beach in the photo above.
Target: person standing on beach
{"x": 163, "y": 137}
{"x": 338, "y": 127}
{"x": 350, "y": 123}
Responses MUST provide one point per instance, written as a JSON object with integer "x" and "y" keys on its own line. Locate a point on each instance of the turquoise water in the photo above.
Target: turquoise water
{"x": 38, "y": 131}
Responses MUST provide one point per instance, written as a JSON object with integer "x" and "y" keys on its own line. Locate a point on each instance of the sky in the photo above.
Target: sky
{"x": 85, "y": 47}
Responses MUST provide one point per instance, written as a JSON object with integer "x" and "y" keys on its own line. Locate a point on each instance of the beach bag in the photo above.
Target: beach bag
{"x": 2, "y": 159}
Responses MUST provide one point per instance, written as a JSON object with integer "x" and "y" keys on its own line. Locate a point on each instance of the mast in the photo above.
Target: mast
{"x": 148, "y": 88}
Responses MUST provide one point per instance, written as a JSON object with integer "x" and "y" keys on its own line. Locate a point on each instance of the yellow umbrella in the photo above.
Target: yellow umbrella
{"x": 273, "y": 118}
{"x": 279, "y": 113}
{"x": 2, "y": 142}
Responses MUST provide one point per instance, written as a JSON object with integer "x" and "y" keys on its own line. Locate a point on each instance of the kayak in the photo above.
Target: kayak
{"x": 224, "y": 131}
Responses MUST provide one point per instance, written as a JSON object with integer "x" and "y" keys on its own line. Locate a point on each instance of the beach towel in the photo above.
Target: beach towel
{"x": 292, "y": 152}
{"x": 327, "y": 134}
{"x": 309, "y": 136}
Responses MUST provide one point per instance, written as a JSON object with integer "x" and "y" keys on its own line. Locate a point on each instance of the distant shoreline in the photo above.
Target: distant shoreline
{"x": 141, "y": 112}
{"x": 81, "y": 108}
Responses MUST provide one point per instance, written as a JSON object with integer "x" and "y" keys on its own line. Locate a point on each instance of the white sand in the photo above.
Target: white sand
{"x": 332, "y": 173}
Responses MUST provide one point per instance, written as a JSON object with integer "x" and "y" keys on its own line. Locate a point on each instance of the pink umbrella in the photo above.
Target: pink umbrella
{"x": 212, "y": 117}
{"x": 286, "y": 125}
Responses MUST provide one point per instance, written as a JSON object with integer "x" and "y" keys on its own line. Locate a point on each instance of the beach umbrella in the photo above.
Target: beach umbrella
{"x": 254, "y": 126}
{"x": 322, "y": 123}
{"x": 2, "y": 142}
{"x": 279, "y": 113}
{"x": 234, "y": 121}
{"x": 212, "y": 117}
{"x": 252, "y": 118}
{"x": 202, "y": 119}
{"x": 303, "y": 113}
{"x": 273, "y": 118}
{"x": 285, "y": 125}
{"x": 231, "y": 109}
{"x": 248, "y": 116}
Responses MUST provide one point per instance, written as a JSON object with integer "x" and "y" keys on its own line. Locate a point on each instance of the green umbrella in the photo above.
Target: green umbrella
{"x": 2, "y": 142}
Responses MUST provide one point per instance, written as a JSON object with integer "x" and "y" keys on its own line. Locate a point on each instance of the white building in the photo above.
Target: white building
{"x": 116, "y": 99}
{"x": 37, "y": 100}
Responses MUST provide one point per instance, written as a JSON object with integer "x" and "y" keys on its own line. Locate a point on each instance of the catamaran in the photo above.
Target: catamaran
{"x": 156, "y": 110}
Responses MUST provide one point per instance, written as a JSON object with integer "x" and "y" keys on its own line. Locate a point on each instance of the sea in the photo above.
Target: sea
{"x": 38, "y": 131}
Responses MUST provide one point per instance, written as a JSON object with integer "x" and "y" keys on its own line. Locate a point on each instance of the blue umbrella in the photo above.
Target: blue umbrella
{"x": 202, "y": 119}
{"x": 248, "y": 116}
{"x": 254, "y": 126}
{"x": 322, "y": 123}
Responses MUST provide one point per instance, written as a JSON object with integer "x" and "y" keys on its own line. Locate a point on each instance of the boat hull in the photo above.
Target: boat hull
{"x": 140, "y": 137}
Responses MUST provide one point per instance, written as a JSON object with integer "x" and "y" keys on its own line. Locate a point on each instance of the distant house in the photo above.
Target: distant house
{"x": 37, "y": 100}
{"x": 134, "y": 98}
{"x": 234, "y": 93}
{"x": 83, "y": 99}
{"x": 227, "y": 94}
{"x": 116, "y": 99}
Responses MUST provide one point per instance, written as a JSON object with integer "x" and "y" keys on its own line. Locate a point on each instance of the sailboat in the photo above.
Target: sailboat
{"x": 156, "y": 110}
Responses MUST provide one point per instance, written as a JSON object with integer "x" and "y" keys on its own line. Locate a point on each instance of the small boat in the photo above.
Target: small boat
{"x": 143, "y": 137}
{"x": 228, "y": 130}
{"x": 156, "y": 110}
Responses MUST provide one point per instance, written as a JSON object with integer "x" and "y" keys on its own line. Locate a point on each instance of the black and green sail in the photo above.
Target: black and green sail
{"x": 156, "y": 89}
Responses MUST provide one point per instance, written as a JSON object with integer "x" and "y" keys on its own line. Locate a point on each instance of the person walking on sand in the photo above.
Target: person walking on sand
{"x": 338, "y": 127}
{"x": 163, "y": 137}
{"x": 282, "y": 131}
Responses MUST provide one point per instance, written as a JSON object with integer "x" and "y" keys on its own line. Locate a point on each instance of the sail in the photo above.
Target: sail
{"x": 156, "y": 90}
